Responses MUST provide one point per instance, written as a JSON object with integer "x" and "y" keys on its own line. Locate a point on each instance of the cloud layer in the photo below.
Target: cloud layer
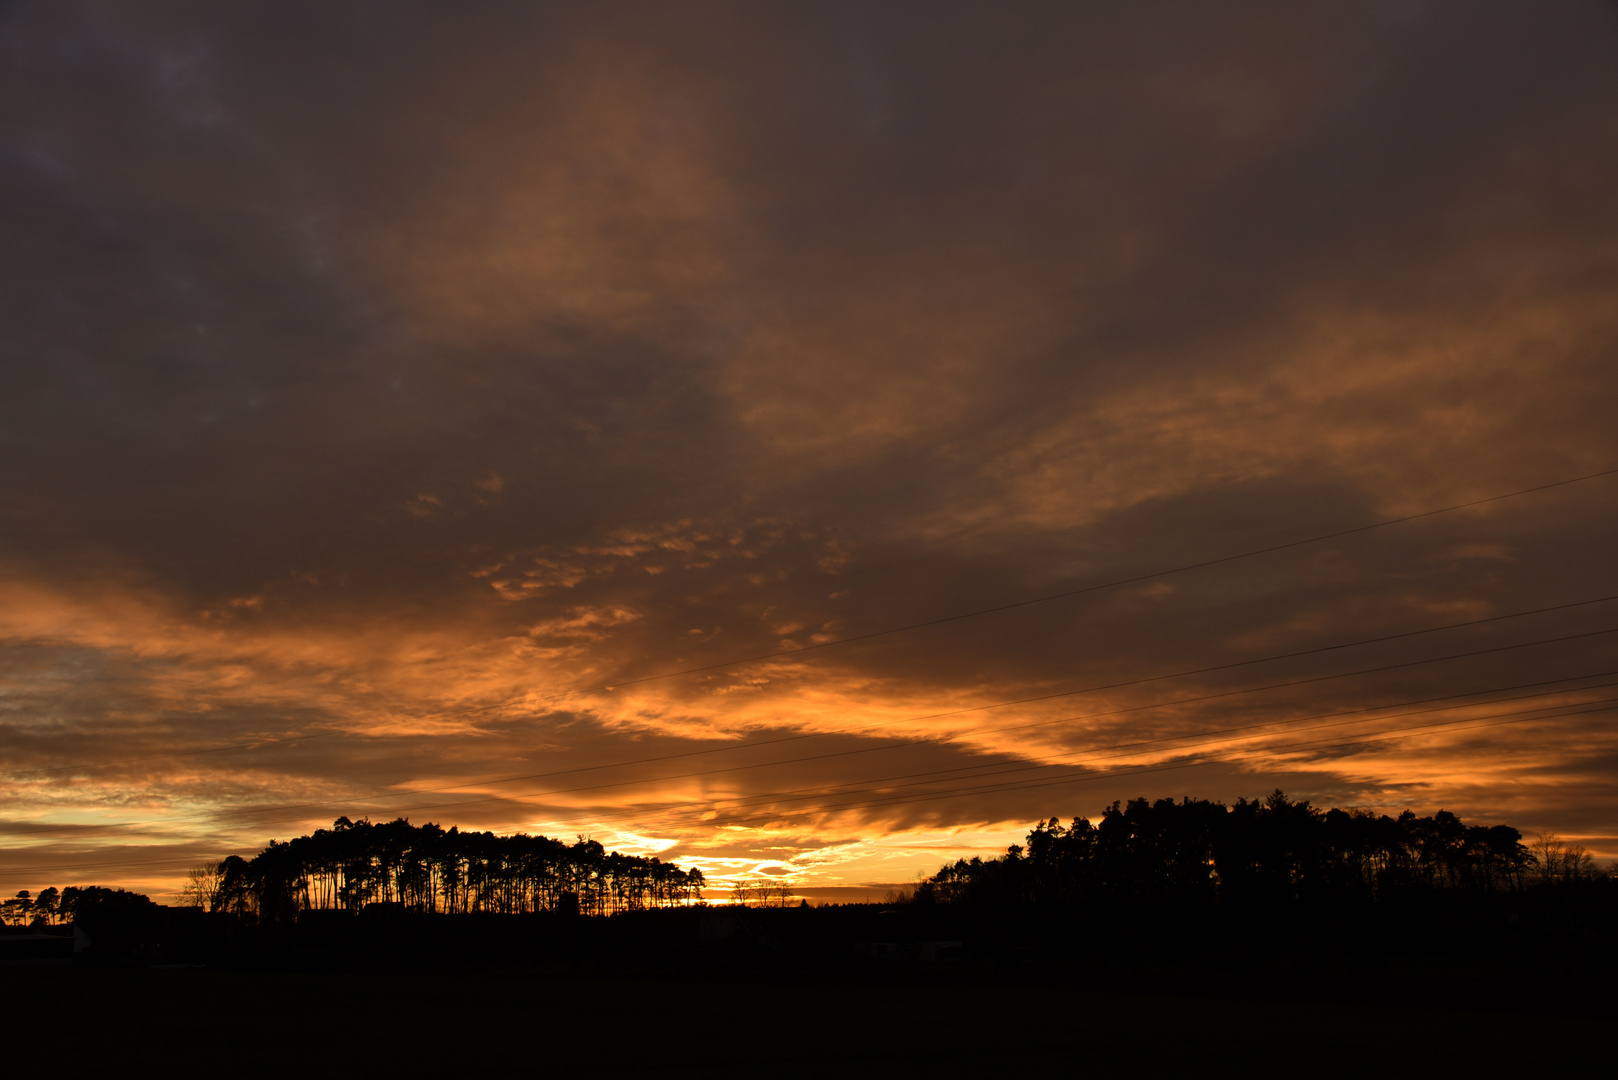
{"x": 391, "y": 394}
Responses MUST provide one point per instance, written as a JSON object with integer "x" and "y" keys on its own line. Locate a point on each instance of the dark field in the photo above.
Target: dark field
{"x": 225, "y": 1023}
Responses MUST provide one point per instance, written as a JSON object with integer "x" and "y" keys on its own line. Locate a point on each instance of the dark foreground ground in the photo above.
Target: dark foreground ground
{"x": 217, "y": 1023}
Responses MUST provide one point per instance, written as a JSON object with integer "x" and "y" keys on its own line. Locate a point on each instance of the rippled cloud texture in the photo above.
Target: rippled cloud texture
{"x": 391, "y": 392}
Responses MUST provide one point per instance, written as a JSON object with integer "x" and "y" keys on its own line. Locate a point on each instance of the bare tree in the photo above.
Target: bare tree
{"x": 1548, "y": 849}
{"x": 1578, "y": 864}
{"x": 744, "y": 892}
{"x": 202, "y": 886}
{"x": 760, "y": 892}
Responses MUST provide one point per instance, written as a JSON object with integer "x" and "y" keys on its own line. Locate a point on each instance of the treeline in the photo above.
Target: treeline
{"x": 431, "y": 869}
{"x": 1205, "y": 853}
{"x": 54, "y": 906}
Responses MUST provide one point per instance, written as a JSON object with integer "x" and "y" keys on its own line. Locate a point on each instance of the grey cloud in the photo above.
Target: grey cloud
{"x": 775, "y": 324}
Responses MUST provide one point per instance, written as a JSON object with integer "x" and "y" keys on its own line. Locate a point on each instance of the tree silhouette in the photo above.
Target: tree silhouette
{"x": 15, "y": 910}
{"x": 1254, "y": 853}
{"x": 760, "y": 892}
{"x": 202, "y": 886}
{"x": 45, "y": 904}
{"x": 431, "y": 869}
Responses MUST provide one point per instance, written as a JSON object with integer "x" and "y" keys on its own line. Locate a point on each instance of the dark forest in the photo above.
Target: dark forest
{"x": 1217, "y": 893}
{"x": 1274, "y": 850}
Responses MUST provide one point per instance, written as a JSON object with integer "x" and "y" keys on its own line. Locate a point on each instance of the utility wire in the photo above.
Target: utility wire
{"x": 1000, "y": 788}
{"x": 859, "y": 731}
{"x": 1385, "y": 735}
{"x": 730, "y": 747}
{"x": 1067, "y": 693}
{"x": 998, "y": 767}
{"x": 895, "y": 630}
{"x": 631, "y": 783}
{"x": 795, "y": 650}
{"x": 258, "y": 743}
{"x": 1137, "y": 748}
{"x": 640, "y": 812}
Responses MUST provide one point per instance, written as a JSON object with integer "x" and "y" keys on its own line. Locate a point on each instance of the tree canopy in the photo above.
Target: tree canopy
{"x": 432, "y": 869}
{"x": 1270, "y": 849}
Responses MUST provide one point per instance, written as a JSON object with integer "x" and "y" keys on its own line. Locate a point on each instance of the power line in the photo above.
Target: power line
{"x": 996, "y": 789}
{"x": 165, "y": 863}
{"x": 999, "y": 767}
{"x": 1385, "y": 735}
{"x": 1267, "y": 659}
{"x": 1148, "y": 746}
{"x": 258, "y": 743}
{"x": 255, "y": 744}
{"x": 1067, "y": 693}
{"x": 896, "y": 745}
{"x": 784, "y": 761}
{"x": 874, "y": 727}
{"x": 1043, "y": 697}
{"x": 714, "y": 772}
{"x": 1088, "y": 588}
{"x": 895, "y": 630}
{"x": 788, "y": 761}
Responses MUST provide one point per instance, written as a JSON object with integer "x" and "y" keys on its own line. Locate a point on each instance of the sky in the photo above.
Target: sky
{"x": 804, "y": 440}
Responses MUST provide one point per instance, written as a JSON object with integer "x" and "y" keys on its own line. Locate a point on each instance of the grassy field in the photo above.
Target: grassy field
{"x": 226, "y": 1023}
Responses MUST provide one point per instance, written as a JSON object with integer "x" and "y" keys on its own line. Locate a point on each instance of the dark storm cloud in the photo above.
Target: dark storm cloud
{"x": 369, "y": 365}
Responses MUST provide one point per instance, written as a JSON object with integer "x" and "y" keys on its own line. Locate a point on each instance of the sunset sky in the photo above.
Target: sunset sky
{"x": 395, "y": 399}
